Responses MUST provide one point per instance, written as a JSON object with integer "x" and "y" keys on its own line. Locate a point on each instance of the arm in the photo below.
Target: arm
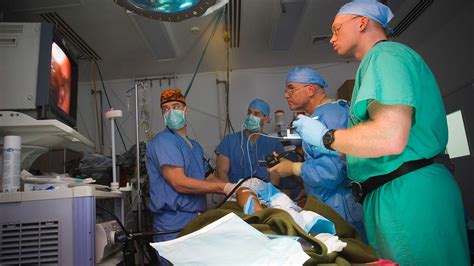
{"x": 180, "y": 182}
{"x": 222, "y": 167}
{"x": 243, "y": 194}
{"x": 213, "y": 178}
{"x": 385, "y": 133}
{"x": 275, "y": 179}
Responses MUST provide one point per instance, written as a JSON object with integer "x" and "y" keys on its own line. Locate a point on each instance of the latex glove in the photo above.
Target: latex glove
{"x": 283, "y": 168}
{"x": 312, "y": 132}
{"x": 228, "y": 188}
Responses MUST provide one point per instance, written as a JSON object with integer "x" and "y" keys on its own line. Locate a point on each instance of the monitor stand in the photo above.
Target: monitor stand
{"x": 37, "y": 136}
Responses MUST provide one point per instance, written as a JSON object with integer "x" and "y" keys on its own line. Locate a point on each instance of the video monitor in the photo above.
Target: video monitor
{"x": 39, "y": 72}
{"x": 60, "y": 79}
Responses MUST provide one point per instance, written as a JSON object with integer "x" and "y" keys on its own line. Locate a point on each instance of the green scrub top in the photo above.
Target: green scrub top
{"x": 418, "y": 218}
{"x": 392, "y": 73}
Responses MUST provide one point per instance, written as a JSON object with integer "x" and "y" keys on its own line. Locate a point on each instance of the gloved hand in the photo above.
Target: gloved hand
{"x": 283, "y": 168}
{"x": 228, "y": 188}
{"x": 312, "y": 132}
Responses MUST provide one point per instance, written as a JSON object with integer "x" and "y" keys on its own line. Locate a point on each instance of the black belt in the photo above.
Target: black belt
{"x": 361, "y": 190}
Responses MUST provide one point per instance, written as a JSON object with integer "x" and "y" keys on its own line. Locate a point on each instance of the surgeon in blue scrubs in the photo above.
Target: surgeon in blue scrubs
{"x": 237, "y": 156}
{"x": 324, "y": 174}
{"x": 176, "y": 168}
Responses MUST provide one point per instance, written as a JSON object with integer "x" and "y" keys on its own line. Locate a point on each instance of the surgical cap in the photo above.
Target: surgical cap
{"x": 306, "y": 75}
{"x": 170, "y": 95}
{"x": 372, "y": 9}
{"x": 260, "y": 105}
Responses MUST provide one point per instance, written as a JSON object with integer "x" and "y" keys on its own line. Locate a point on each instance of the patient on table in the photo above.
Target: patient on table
{"x": 254, "y": 194}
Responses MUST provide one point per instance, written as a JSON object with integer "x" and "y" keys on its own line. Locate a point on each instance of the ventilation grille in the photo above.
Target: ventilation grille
{"x": 234, "y": 10}
{"x": 419, "y": 8}
{"x": 73, "y": 39}
{"x": 11, "y": 28}
{"x": 29, "y": 243}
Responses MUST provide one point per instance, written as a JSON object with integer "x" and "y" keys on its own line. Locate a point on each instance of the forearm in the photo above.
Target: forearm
{"x": 364, "y": 141}
{"x": 385, "y": 133}
{"x": 222, "y": 175}
{"x": 222, "y": 167}
{"x": 243, "y": 194}
{"x": 195, "y": 186}
{"x": 213, "y": 178}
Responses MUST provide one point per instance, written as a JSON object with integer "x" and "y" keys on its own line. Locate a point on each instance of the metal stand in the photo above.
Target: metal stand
{"x": 139, "y": 189}
{"x": 112, "y": 114}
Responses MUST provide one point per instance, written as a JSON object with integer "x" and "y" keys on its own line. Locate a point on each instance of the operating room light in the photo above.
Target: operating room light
{"x": 167, "y": 10}
{"x": 165, "y": 6}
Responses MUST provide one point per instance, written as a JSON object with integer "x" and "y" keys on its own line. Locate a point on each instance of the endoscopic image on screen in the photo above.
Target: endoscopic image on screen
{"x": 60, "y": 82}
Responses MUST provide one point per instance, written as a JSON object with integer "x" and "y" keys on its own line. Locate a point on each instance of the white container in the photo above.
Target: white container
{"x": 11, "y": 163}
{"x": 280, "y": 118}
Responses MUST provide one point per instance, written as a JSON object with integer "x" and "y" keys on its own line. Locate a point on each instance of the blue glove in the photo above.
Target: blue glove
{"x": 310, "y": 130}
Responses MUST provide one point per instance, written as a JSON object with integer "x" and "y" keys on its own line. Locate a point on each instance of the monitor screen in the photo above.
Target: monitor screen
{"x": 60, "y": 79}
{"x": 47, "y": 86}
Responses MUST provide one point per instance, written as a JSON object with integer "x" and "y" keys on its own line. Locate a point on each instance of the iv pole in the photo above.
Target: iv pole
{"x": 139, "y": 190}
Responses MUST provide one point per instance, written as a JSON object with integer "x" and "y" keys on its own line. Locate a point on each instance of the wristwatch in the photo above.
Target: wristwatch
{"x": 328, "y": 139}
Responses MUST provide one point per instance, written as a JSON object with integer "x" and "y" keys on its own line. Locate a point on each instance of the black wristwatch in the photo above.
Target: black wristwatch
{"x": 328, "y": 139}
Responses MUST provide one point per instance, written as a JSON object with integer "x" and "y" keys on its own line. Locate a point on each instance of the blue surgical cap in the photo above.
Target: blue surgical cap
{"x": 372, "y": 9}
{"x": 306, "y": 75}
{"x": 260, "y": 105}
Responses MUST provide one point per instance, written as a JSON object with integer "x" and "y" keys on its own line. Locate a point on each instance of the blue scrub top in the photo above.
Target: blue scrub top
{"x": 325, "y": 175}
{"x": 169, "y": 148}
{"x": 234, "y": 147}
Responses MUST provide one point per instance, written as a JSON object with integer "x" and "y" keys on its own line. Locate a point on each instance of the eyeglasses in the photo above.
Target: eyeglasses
{"x": 292, "y": 90}
{"x": 335, "y": 29}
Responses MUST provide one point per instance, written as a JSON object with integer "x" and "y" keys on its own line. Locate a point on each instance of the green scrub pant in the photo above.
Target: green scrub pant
{"x": 418, "y": 219}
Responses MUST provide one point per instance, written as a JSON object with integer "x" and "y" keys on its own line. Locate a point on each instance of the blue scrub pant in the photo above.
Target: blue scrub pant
{"x": 167, "y": 221}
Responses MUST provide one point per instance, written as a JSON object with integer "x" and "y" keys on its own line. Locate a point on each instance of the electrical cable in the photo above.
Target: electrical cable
{"x": 99, "y": 129}
{"x": 139, "y": 236}
{"x": 108, "y": 101}
{"x": 82, "y": 120}
{"x": 256, "y": 154}
{"x": 228, "y": 123}
{"x": 116, "y": 219}
{"x": 203, "y": 53}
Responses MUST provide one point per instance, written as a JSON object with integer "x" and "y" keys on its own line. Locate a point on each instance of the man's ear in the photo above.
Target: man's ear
{"x": 266, "y": 119}
{"x": 312, "y": 89}
{"x": 364, "y": 22}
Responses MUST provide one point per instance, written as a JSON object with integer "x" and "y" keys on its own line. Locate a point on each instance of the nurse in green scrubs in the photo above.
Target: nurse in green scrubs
{"x": 396, "y": 116}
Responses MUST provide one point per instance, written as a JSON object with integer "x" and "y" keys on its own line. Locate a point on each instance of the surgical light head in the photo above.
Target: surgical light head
{"x": 372, "y": 9}
{"x": 306, "y": 75}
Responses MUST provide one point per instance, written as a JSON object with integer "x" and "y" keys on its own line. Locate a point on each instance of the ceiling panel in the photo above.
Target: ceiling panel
{"x": 127, "y": 52}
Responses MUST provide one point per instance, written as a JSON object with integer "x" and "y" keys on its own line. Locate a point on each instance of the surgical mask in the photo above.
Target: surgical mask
{"x": 174, "y": 119}
{"x": 252, "y": 123}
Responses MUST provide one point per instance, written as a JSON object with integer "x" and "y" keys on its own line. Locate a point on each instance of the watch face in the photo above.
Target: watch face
{"x": 328, "y": 138}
